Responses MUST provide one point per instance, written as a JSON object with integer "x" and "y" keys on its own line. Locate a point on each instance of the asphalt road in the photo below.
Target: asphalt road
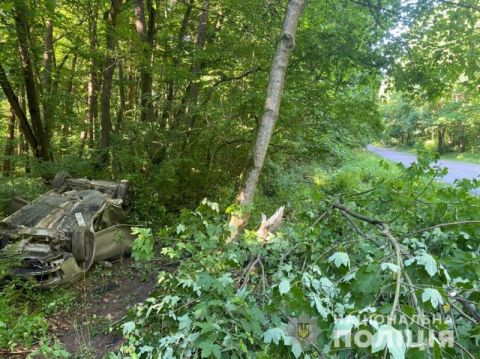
{"x": 456, "y": 169}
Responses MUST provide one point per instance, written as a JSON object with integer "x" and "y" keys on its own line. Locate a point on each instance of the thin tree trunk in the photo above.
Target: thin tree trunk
{"x": 9, "y": 145}
{"x": 462, "y": 138}
{"x": 69, "y": 101}
{"x": 122, "y": 93}
{"x": 21, "y": 25}
{"x": 194, "y": 88}
{"x": 110, "y": 64}
{"x": 146, "y": 34}
{"x": 47, "y": 79}
{"x": 24, "y": 149}
{"x": 92, "y": 85}
{"x": 167, "y": 109}
{"x": 441, "y": 139}
{"x": 271, "y": 110}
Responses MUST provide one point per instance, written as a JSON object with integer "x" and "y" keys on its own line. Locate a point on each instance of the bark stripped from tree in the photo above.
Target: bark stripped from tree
{"x": 271, "y": 110}
{"x": 21, "y": 26}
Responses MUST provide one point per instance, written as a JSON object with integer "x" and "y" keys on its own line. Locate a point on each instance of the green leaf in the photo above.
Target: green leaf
{"x": 327, "y": 286}
{"x": 296, "y": 348}
{"x": 180, "y": 228}
{"x": 343, "y": 327}
{"x": 320, "y": 308}
{"x": 433, "y": 296}
{"x": 209, "y": 348}
{"x": 428, "y": 262}
{"x": 6, "y": 6}
{"x": 184, "y": 322}
{"x": 389, "y": 337}
{"x": 393, "y": 267}
{"x": 284, "y": 286}
{"x": 339, "y": 259}
{"x": 273, "y": 335}
{"x": 128, "y": 327}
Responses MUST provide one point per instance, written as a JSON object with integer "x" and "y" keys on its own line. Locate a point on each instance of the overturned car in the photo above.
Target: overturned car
{"x": 57, "y": 237}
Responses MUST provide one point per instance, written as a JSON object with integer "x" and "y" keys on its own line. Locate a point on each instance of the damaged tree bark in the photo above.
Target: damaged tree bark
{"x": 271, "y": 110}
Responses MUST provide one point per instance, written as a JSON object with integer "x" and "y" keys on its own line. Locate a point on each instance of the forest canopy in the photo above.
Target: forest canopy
{"x": 170, "y": 93}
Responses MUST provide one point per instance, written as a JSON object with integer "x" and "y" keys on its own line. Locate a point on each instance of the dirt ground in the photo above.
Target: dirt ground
{"x": 104, "y": 298}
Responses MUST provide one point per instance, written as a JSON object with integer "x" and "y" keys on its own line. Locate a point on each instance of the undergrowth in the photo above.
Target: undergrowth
{"x": 236, "y": 300}
{"x": 334, "y": 261}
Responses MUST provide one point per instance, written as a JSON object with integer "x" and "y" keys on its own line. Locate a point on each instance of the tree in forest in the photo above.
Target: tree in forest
{"x": 196, "y": 72}
{"x": 108, "y": 72}
{"x": 37, "y": 133}
{"x": 271, "y": 110}
{"x": 146, "y": 31}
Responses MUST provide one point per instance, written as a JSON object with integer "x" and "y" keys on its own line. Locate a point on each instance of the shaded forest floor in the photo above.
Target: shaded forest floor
{"x": 102, "y": 300}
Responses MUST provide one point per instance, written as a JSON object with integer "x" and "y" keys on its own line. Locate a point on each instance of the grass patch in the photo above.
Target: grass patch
{"x": 469, "y": 157}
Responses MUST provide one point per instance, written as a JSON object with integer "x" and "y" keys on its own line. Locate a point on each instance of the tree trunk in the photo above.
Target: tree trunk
{"x": 92, "y": 85}
{"x": 21, "y": 26}
{"x": 48, "y": 96}
{"x": 122, "y": 94}
{"x": 146, "y": 39}
{"x": 462, "y": 138}
{"x": 69, "y": 101}
{"x": 9, "y": 145}
{"x": 167, "y": 108}
{"x": 441, "y": 139}
{"x": 20, "y": 114}
{"x": 271, "y": 110}
{"x": 110, "y": 64}
{"x": 194, "y": 88}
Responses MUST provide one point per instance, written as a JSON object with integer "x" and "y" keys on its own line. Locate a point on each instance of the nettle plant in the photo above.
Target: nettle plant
{"x": 389, "y": 271}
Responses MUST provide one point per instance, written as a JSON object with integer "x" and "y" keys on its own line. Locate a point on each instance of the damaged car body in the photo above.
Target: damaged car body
{"x": 57, "y": 237}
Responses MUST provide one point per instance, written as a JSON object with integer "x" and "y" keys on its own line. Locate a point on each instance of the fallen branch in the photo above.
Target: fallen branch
{"x": 359, "y": 216}
{"x": 462, "y": 313}
{"x": 468, "y": 306}
{"x": 391, "y": 239}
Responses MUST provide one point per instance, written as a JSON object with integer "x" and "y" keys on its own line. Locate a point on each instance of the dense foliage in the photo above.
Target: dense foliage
{"x": 169, "y": 95}
{"x": 228, "y": 300}
{"x": 432, "y": 96}
{"x": 189, "y": 133}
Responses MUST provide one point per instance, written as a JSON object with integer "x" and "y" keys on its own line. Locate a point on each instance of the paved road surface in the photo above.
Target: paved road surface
{"x": 456, "y": 169}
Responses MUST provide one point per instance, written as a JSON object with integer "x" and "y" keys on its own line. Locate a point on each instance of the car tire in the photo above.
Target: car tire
{"x": 59, "y": 179}
{"x": 122, "y": 193}
{"x": 83, "y": 247}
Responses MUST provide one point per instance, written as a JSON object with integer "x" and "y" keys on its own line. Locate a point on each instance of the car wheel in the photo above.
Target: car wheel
{"x": 83, "y": 247}
{"x": 122, "y": 193}
{"x": 59, "y": 179}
